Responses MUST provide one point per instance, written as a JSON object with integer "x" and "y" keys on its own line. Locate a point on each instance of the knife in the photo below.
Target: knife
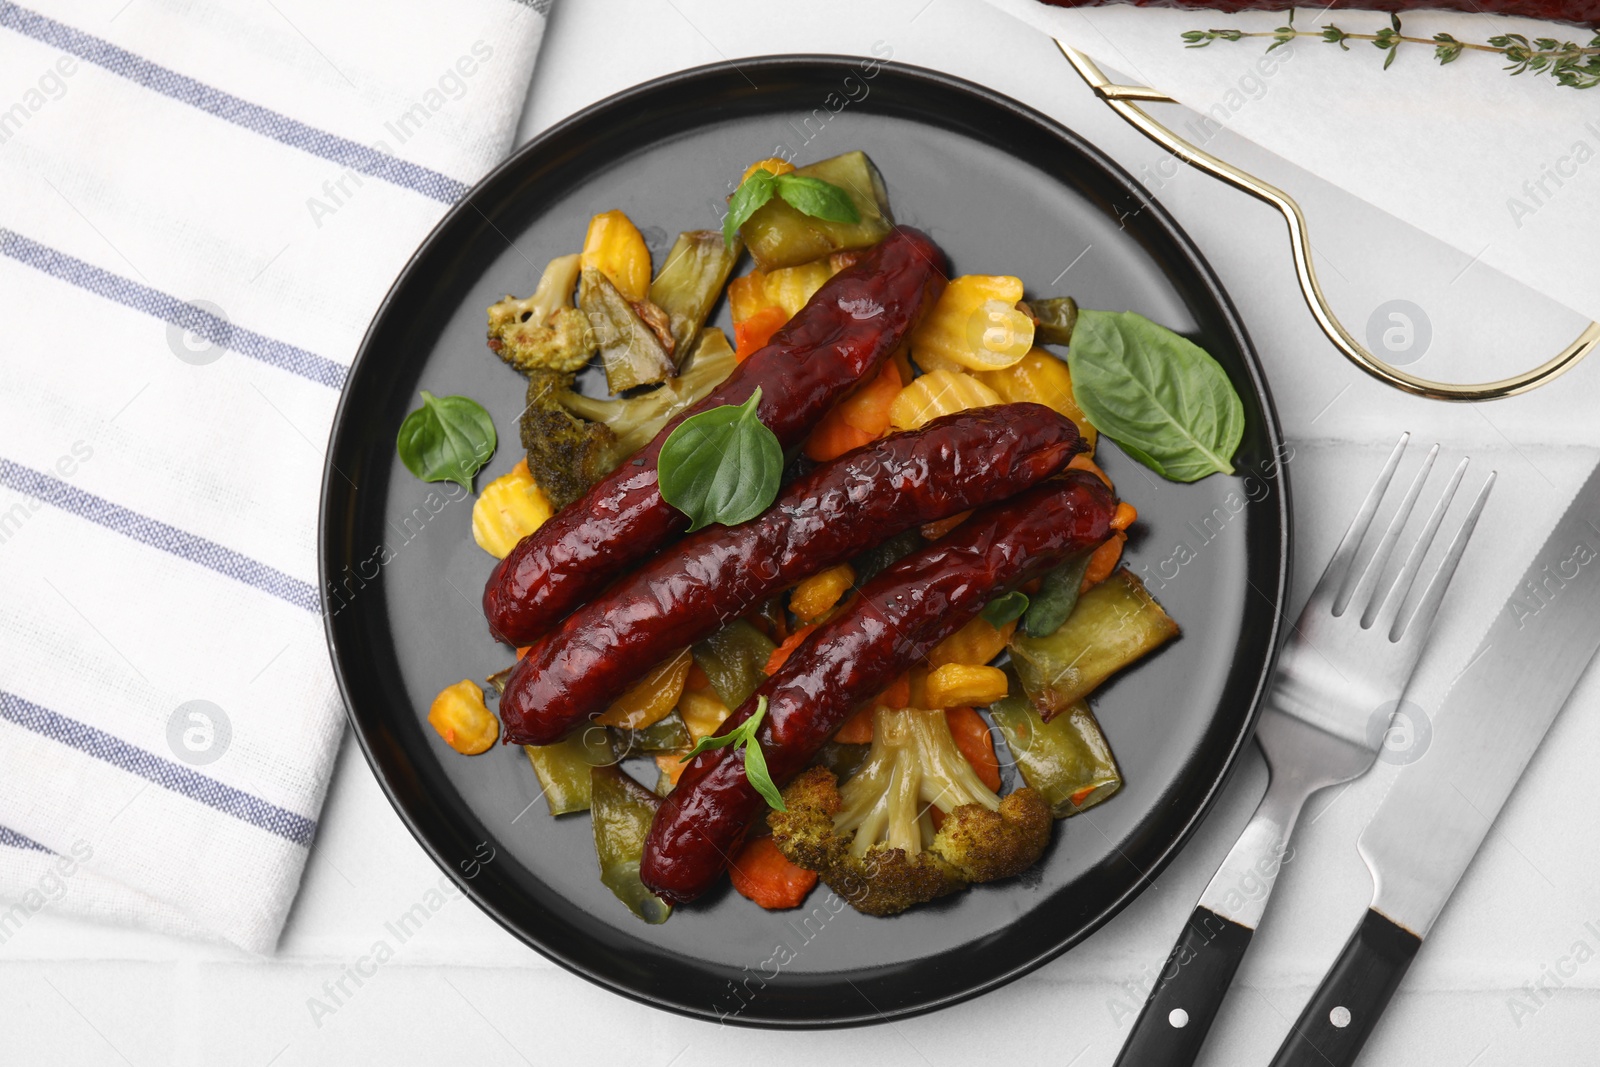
{"x": 1433, "y": 820}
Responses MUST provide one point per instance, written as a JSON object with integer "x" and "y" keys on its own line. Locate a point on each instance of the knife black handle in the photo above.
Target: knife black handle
{"x": 1173, "y": 1023}
{"x": 1345, "y": 1008}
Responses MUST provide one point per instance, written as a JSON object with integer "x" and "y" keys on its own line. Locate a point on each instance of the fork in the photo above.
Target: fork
{"x": 1344, "y": 666}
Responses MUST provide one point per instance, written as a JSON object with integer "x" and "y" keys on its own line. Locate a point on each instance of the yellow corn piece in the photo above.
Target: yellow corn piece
{"x": 463, "y": 719}
{"x": 702, "y": 711}
{"x": 773, "y": 165}
{"x": 974, "y": 644}
{"x": 974, "y": 326}
{"x": 963, "y": 685}
{"x": 820, "y": 592}
{"x": 651, "y": 698}
{"x": 938, "y": 393}
{"x": 615, "y": 248}
{"x": 1040, "y": 378}
{"x": 510, "y": 508}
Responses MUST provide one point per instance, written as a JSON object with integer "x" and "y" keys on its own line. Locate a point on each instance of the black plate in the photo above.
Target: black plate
{"x": 1004, "y": 190}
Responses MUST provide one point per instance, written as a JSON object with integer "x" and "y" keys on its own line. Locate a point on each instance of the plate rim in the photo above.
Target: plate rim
{"x": 333, "y": 486}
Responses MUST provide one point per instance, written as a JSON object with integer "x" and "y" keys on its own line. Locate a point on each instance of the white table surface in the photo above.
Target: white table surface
{"x": 463, "y": 991}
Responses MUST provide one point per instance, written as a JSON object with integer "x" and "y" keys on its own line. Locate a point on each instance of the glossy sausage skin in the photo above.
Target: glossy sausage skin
{"x": 836, "y": 512}
{"x": 1580, "y": 12}
{"x": 899, "y": 616}
{"x": 852, "y": 324}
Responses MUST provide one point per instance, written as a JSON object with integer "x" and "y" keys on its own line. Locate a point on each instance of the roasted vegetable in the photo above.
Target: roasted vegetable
{"x": 872, "y": 839}
{"x": 690, "y": 282}
{"x": 566, "y": 454}
{"x": 1114, "y": 624}
{"x": 1054, "y": 319}
{"x": 460, "y": 716}
{"x": 764, "y": 875}
{"x": 1043, "y": 379}
{"x": 816, "y": 595}
{"x": 563, "y": 768}
{"x": 779, "y": 235}
{"x": 630, "y": 351}
{"x": 733, "y": 659}
{"x": 651, "y": 698}
{"x": 975, "y": 326}
{"x": 510, "y": 508}
{"x": 636, "y": 420}
{"x": 622, "y": 812}
{"x": 979, "y": 641}
{"x": 544, "y": 331}
{"x": 1058, "y": 594}
{"x": 668, "y": 734}
{"x": 1066, "y": 760}
{"x": 940, "y": 392}
{"x": 963, "y": 684}
{"x": 614, "y": 247}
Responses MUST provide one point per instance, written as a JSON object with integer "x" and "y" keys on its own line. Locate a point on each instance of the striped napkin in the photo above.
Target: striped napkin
{"x": 200, "y": 209}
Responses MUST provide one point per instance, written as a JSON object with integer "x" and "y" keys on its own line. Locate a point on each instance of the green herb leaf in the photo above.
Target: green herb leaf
{"x": 753, "y": 192}
{"x": 1004, "y": 609}
{"x": 817, "y": 198}
{"x": 1057, "y": 596}
{"x": 755, "y": 761}
{"x": 447, "y": 439}
{"x": 721, "y": 465}
{"x": 1158, "y": 395}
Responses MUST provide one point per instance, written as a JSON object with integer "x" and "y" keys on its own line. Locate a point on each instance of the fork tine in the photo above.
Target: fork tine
{"x": 1400, "y": 588}
{"x": 1416, "y": 628}
{"x": 1338, "y": 568}
{"x": 1362, "y": 594}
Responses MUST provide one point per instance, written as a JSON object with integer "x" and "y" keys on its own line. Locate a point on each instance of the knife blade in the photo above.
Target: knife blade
{"x": 1431, "y": 824}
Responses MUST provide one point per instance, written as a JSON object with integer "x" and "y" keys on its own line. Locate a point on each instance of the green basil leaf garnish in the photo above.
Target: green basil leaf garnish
{"x": 807, "y": 195}
{"x": 755, "y": 761}
{"x": 1004, "y": 609}
{"x": 721, "y": 465}
{"x": 753, "y": 192}
{"x": 1158, "y": 395}
{"x": 1057, "y": 596}
{"x": 817, "y": 198}
{"x": 447, "y": 439}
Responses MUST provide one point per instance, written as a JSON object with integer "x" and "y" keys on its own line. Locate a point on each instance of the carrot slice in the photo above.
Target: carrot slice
{"x": 1082, "y": 462}
{"x": 1104, "y": 560}
{"x": 754, "y": 333}
{"x": 860, "y": 417}
{"x": 972, "y": 737}
{"x": 857, "y": 729}
{"x": 932, "y": 531}
{"x": 763, "y": 874}
{"x": 780, "y": 655}
{"x": 1125, "y": 516}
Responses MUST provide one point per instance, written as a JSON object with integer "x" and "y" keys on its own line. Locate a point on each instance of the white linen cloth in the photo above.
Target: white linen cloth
{"x": 200, "y": 209}
{"x": 1504, "y": 169}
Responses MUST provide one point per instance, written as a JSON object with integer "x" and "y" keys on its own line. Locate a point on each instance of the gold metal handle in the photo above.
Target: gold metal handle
{"x": 1125, "y": 100}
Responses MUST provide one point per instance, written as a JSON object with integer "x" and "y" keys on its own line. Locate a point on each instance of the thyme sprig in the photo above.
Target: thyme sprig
{"x": 1570, "y": 64}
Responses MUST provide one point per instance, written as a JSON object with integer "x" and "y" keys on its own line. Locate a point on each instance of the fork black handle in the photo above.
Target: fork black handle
{"x": 1181, "y": 1008}
{"x": 1342, "y": 1013}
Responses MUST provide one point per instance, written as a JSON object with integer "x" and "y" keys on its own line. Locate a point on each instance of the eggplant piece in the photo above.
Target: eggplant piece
{"x": 563, "y": 768}
{"x": 779, "y": 235}
{"x": 622, "y": 812}
{"x": 1066, "y": 760}
{"x": 630, "y": 351}
{"x": 1114, "y": 624}
{"x": 636, "y": 420}
{"x": 735, "y": 659}
{"x": 690, "y": 282}
{"x": 1054, "y": 320}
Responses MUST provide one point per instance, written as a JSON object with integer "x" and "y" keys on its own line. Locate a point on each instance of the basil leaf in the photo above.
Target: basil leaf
{"x": 737, "y": 736}
{"x": 755, "y": 761}
{"x": 447, "y": 439}
{"x": 1057, "y": 596}
{"x": 817, "y": 198}
{"x": 755, "y": 769}
{"x": 721, "y": 465}
{"x": 753, "y": 192}
{"x": 1004, "y": 609}
{"x": 1158, "y": 395}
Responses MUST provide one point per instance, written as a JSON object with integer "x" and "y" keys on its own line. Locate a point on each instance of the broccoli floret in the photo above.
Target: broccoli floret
{"x": 873, "y": 840}
{"x": 544, "y": 331}
{"x": 566, "y": 454}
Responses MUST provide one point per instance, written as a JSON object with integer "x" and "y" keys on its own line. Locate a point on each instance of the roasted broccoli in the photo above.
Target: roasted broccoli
{"x": 873, "y": 838}
{"x": 566, "y": 454}
{"x": 544, "y": 331}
